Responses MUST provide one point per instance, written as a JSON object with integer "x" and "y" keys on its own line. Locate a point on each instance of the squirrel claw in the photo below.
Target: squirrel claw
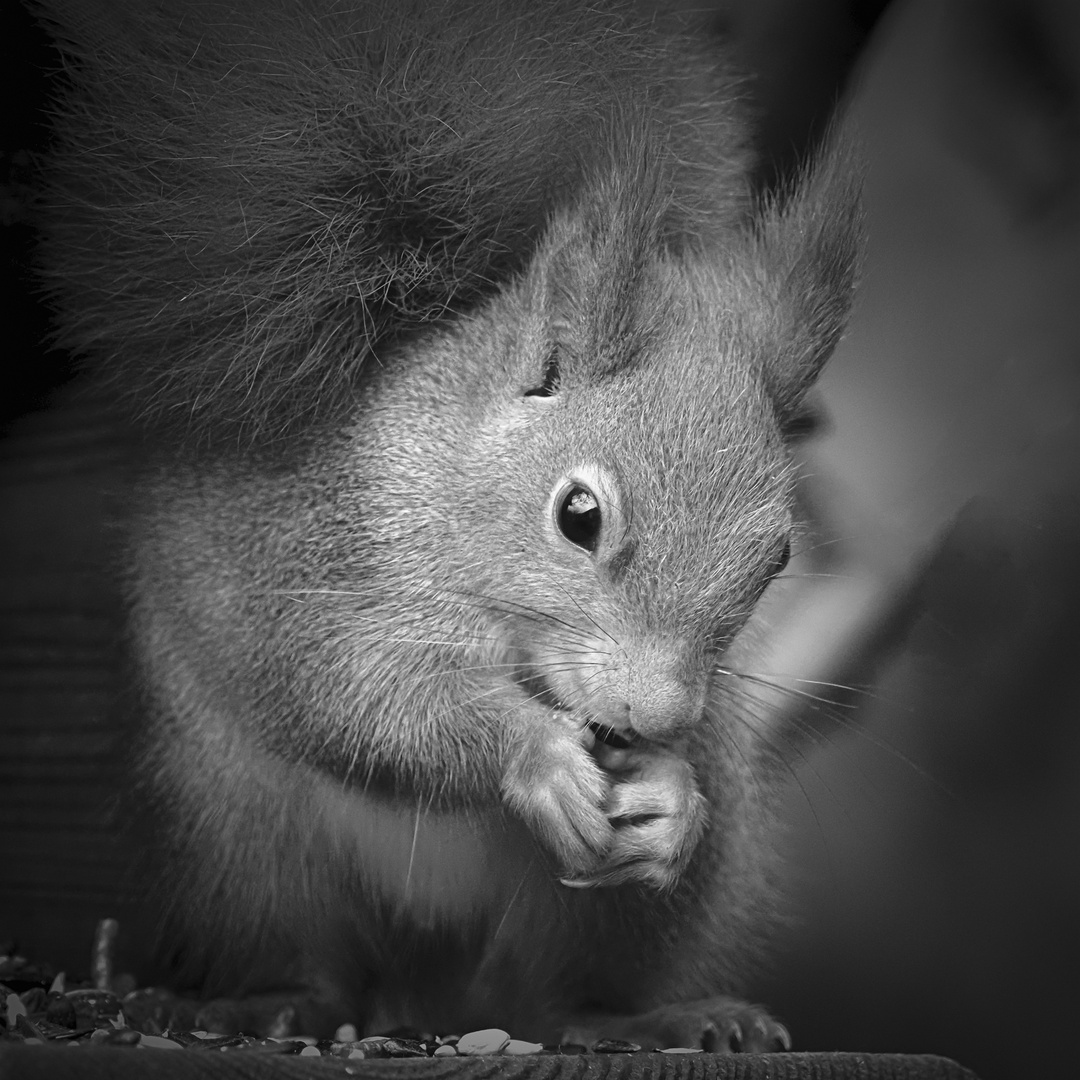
{"x": 579, "y": 883}
{"x": 659, "y": 874}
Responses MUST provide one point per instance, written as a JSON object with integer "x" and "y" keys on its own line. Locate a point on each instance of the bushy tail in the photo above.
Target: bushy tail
{"x": 249, "y": 199}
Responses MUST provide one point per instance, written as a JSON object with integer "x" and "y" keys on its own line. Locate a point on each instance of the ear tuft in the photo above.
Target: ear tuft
{"x": 810, "y": 240}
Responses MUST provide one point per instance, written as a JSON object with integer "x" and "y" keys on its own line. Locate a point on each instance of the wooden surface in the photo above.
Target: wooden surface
{"x": 47, "y": 1063}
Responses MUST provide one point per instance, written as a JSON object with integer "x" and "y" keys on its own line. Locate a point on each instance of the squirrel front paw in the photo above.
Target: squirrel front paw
{"x": 657, "y": 816}
{"x": 554, "y": 783}
{"x": 608, "y": 817}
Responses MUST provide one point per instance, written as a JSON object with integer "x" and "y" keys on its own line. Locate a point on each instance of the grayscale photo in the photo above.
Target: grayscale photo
{"x": 540, "y": 534}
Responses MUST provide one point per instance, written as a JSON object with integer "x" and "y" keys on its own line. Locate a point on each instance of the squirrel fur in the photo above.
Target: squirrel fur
{"x": 466, "y": 356}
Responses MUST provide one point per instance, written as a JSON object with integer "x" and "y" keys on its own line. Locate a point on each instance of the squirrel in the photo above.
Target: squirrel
{"x": 466, "y": 358}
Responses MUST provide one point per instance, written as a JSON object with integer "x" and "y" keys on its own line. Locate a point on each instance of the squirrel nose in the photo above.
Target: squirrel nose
{"x": 652, "y": 692}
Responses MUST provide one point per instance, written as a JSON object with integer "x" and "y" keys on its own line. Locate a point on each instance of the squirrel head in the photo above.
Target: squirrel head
{"x": 598, "y": 455}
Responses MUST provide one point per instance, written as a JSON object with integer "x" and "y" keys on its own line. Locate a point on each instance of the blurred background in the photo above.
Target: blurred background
{"x": 934, "y": 832}
{"x": 935, "y": 850}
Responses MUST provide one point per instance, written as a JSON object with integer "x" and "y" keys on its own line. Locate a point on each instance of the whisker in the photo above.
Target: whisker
{"x": 509, "y": 904}
{"x": 412, "y": 847}
{"x": 442, "y": 595}
{"x": 835, "y": 711}
{"x": 515, "y": 608}
{"x": 577, "y": 603}
{"x": 792, "y": 691}
{"x": 782, "y": 748}
{"x": 773, "y": 680}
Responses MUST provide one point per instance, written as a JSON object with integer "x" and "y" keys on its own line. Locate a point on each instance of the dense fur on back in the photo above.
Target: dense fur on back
{"x": 443, "y": 752}
{"x": 282, "y": 187}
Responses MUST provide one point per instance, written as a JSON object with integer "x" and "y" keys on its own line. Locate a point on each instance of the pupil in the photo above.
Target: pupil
{"x": 579, "y": 518}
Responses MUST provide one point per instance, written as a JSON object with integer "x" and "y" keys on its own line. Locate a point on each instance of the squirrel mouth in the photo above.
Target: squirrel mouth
{"x": 539, "y": 690}
{"x": 610, "y": 737}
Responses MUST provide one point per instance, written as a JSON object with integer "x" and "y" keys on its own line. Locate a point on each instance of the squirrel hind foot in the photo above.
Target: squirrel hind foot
{"x": 720, "y": 1025}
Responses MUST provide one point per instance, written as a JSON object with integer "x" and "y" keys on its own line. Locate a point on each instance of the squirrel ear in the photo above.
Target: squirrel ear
{"x": 809, "y": 237}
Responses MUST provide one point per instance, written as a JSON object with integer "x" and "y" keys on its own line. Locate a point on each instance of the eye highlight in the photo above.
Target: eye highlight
{"x": 578, "y": 517}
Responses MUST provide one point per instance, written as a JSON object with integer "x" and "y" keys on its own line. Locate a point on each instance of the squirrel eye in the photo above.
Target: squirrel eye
{"x": 578, "y": 517}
